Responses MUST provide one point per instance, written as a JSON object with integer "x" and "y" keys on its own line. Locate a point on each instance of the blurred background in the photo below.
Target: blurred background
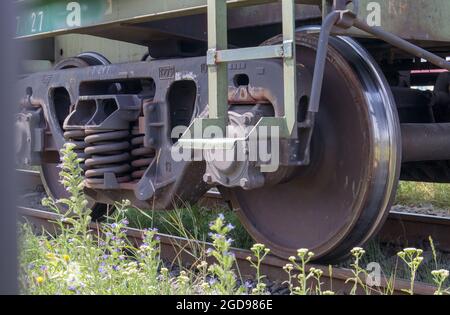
{"x": 8, "y": 242}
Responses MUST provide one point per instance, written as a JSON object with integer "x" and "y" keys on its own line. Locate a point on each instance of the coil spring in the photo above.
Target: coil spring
{"x": 142, "y": 156}
{"x": 77, "y": 138}
{"x": 107, "y": 152}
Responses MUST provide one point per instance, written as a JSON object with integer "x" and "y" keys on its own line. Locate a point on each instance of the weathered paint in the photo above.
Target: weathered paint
{"x": 422, "y": 20}
{"x": 39, "y": 18}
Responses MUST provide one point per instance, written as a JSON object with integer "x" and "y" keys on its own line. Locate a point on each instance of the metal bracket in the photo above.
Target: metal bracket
{"x": 217, "y": 58}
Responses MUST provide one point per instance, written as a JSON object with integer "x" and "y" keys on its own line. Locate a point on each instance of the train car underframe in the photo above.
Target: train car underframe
{"x": 349, "y": 126}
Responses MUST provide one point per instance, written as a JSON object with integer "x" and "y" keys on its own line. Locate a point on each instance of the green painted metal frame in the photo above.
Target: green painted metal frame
{"x": 217, "y": 58}
{"x": 48, "y": 18}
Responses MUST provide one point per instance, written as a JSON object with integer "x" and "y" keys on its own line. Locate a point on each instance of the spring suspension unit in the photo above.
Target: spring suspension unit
{"x": 100, "y": 128}
{"x": 142, "y": 156}
{"x": 108, "y": 153}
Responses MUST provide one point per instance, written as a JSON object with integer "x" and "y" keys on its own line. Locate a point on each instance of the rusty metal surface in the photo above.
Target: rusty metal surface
{"x": 409, "y": 229}
{"x": 342, "y": 198}
{"x": 176, "y": 249}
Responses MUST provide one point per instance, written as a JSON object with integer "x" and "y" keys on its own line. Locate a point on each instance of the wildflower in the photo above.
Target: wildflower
{"x": 143, "y": 247}
{"x": 72, "y": 288}
{"x": 292, "y": 259}
{"x": 248, "y": 284}
{"x": 358, "y": 252}
{"x": 116, "y": 268}
{"x": 125, "y": 222}
{"x": 209, "y": 251}
{"x": 101, "y": 270}
{"x": 221, "y": 216}
{"x": 410, "y": 250}
{"x": 229, "y": 254}
{"x": 230, "y": 226}
{"x": 50, "y": 256}
{"x": 44, "y": 268}
{"x": 328, "y": 293}
{"x": 288, "y": 267}
{"x": 302, "y": 252}
{"x": 205, "y": 286}
{"x": 212, "y": 281}
{"x": 316, "y": 272}
{"x": 66, "y": 258}
{"x": 164, "y": 270}
{"x": 229, "y": 241}
{"x": 39, "y": 280}
{"x": 203, "y": 265}
{"x": 441, "y": 273}
{"x": 31, "y": 266}
{"x": 114, "y": 225}
{"x": 257, "y": 247}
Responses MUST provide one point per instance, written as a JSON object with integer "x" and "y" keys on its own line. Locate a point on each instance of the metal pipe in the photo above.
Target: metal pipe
{"x": 402, "y": 44}
{"x": 319, "y": 68}
{"x": 426, "y": 142}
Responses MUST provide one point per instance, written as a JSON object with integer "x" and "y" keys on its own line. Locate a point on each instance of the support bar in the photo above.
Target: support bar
{"x": 400, "y": 43}
{"x": 252, "y": 53}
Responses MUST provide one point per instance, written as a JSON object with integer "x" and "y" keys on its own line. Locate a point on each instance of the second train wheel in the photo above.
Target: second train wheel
{"x": 343, "y": 197}
{"x": 50, "y": 171}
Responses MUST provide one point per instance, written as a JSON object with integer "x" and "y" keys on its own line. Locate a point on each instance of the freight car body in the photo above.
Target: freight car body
{"x": 306, "y": 133}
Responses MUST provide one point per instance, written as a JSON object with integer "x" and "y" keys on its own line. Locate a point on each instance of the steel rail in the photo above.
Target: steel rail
{"x": 403, "y": 229}
{"x": 177, "y": 249}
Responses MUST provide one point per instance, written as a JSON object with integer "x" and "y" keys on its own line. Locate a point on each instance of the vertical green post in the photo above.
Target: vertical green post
{"x": 218, "y": 73}
{"x": 290, "y": 67}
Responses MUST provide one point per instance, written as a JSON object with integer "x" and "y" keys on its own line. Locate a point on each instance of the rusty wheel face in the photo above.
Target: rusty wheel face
{"x": 343, "y": 197}
{"x": 50, "y": 171}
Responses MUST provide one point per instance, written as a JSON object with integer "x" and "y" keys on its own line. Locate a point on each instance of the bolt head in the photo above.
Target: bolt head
{"x": 244, "y": 183}
{"x": 207, "y": 178}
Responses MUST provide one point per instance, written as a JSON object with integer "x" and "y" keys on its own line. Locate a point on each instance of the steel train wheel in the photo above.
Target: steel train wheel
{"x": 343, "y": 197}
{"x": 50, "y": 171}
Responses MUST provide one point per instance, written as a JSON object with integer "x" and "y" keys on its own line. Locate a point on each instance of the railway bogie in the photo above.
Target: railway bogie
{"x": 307, "y": 135}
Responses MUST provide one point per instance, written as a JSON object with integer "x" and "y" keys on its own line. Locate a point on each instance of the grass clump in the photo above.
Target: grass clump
{"x": 412, "y": 193}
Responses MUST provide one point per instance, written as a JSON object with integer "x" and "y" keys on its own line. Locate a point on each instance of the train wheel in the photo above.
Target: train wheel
{"x": 50, "y": 171}
{"x": 343, "y": 197}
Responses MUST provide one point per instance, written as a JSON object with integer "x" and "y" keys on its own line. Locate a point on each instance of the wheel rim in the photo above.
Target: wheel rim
{"x": 342, "y": 199}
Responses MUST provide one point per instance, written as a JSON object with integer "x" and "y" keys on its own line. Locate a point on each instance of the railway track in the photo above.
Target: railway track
{"x": 176, "y": 249}
{"x": 403, "y": 229}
